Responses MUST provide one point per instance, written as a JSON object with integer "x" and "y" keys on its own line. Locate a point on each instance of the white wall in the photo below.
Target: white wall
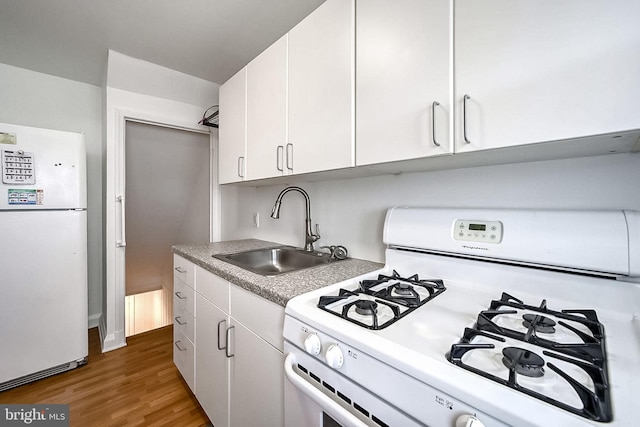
{"x": 35, "y": 99}
{"x": 351, "y": 212}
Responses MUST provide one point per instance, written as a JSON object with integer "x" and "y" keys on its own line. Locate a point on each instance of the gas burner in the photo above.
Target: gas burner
{"x": 403, "y": 289}
{"x": 540, "y": 323}
{"x": 366, "y": 307}
{"x": 524, "y": 362}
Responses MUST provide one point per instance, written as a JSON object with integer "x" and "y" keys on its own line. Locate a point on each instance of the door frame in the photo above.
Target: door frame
{"x": 121, "y": 107}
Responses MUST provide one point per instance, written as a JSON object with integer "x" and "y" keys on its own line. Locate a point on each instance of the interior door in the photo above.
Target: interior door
{"x": 167, "y": 202}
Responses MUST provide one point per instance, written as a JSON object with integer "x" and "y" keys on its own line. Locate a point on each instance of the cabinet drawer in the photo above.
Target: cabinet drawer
{"x": 263, "y": 317}
{"x": 184, "y": 358}
{"x": 185, "y": 296}
{"x": 213, "y": 288}
{"x": 183, "y": 321}
{"x": 183, "y": 269}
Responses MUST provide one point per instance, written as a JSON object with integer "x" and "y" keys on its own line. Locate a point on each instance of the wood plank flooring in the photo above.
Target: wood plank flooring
{"x": 137, "y": 385}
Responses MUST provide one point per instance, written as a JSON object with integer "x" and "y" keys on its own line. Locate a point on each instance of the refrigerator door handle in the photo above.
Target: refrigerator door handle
{"x": 123, "y": 241}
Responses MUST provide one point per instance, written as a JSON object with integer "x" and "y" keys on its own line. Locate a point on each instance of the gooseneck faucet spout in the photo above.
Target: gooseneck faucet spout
{"x": 310, "y": 237}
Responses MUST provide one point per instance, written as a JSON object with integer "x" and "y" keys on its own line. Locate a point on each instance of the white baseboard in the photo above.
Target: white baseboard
{"x": 94, "y": 320}
{"x": 109, "y": 342}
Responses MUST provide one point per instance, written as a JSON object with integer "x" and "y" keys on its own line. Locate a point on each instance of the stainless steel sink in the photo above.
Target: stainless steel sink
{"x": 274, "y": 261}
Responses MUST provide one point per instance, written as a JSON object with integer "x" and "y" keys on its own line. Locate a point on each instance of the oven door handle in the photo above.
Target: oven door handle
{"x": 343, "y": 416}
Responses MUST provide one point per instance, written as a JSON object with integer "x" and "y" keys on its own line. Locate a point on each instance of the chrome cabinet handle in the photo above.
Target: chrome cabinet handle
{"x": 241, "y": 166}
{"x": 228, "y": 338}
{"x": 123, "y": 237}
{"x": 179, "y": 295}
{"x": 279, "y": 153}
{"x": 290, "y": 157}
{"x": 180, "y": 348}
{"x": 177, "y": 319}
{"x": 180, "y": 270}
{"x": 433, "y": 123}
{"x": 464, "y": 118}
{"x": 220, "y": 347}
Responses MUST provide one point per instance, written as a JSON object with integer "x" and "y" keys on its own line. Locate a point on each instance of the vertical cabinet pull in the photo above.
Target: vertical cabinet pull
{"x": 123, "y": 236}
{"x": 241, "y": 166}
{"x": 228, "y": 338}
{"x": 220, "y": 347}
{"x": 279, "y": 154}
{"x": 290, "y": 157}
{"x": 464, "y": 118}
{"x": 433, "y": 123}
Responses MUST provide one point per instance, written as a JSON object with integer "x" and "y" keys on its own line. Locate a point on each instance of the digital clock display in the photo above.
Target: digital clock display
{"x": 477, "y": 227}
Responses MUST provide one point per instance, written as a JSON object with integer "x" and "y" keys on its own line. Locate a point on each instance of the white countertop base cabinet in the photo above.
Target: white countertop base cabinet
{"x": 239, "y": 362}
{"x": 403, "y": 79}
{"x": 545, "y": 70}
{"x": 184, "y": 319}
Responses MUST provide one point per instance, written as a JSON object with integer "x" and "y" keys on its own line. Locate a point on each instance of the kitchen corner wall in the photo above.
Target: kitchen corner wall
{"x": 351, "y": 212}
{"x": 40, "y": 100}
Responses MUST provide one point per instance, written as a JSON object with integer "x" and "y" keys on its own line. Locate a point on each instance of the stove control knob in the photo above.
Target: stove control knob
{"x": 312, "y": 344}
{"x": 334, "y": 356}
{"x": 468, "y": 421}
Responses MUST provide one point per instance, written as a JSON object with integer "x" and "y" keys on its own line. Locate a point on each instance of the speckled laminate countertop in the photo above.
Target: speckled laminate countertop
{"x": 278, "y": 289}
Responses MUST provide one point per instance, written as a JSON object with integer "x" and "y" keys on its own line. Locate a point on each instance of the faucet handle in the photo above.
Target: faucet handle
{"x": 337, "y": 252}
{"x": 317, "y": 235}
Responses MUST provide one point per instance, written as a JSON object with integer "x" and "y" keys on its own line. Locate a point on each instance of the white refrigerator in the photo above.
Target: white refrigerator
{"x": 43, "y": 253}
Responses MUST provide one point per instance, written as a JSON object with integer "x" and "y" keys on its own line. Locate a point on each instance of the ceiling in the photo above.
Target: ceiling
{"x": 210, "y": 39}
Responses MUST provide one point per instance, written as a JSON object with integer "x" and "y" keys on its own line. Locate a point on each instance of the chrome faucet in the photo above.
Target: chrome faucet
{"x": 310, "y": 237}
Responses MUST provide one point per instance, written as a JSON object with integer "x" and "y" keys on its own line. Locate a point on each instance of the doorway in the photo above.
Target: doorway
{"x": 168, "y": 193}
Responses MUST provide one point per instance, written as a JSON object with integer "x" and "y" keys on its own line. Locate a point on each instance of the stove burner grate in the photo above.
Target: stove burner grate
{"x": 589, "y": 355}
{"x": 399, "y": 296}
{"x": 402, "y": 290}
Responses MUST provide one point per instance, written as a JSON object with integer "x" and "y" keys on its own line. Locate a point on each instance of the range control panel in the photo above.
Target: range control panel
{"x": 478, "y": 231}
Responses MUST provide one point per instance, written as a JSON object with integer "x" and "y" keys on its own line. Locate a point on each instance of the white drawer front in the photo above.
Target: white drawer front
{"x": 263, "y": 317}
{"x": 213, "y": 288}
{"x": 184, "y": 358}
{"x": 183, "y": 321}
{"x": 184, "y": 270}
{"x": 185, "y": 296}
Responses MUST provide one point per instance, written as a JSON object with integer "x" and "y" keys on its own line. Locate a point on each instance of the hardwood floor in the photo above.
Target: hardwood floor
{"x": 137, "y": 385}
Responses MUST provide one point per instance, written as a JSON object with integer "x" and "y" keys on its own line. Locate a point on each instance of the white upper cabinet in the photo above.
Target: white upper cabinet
{"x": 233, "y": 131}
{"x": 403, "y": 79}
{"x": 321, "y": 89}
{"x": 544, "y": 70}
{"x": 267, "y": 112}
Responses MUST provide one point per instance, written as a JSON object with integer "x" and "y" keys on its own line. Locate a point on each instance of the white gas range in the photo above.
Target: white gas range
{"x": 479, "y": 317}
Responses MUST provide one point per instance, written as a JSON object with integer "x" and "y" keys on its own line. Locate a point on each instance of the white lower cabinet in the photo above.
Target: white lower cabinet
{"x": 211, "y": 363}
{"x": 239, "y": 362}
{"x": 184, "y": 320}
{"x": 257, "y": 380}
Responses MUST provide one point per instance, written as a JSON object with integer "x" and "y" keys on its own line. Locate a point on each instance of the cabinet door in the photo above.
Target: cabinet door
{"x": 232, "y": 134}
{"x": 403, "y": 79}
{"x": 545, "y": 70}
{"x": 267, "y": 112}
{"x": 211, "y": 370}
{"x": 257, "y": 380}
{"x": 321, "y": 86}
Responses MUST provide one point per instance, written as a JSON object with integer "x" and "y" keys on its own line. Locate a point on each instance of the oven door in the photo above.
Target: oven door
{"x": 316, "y": 396}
